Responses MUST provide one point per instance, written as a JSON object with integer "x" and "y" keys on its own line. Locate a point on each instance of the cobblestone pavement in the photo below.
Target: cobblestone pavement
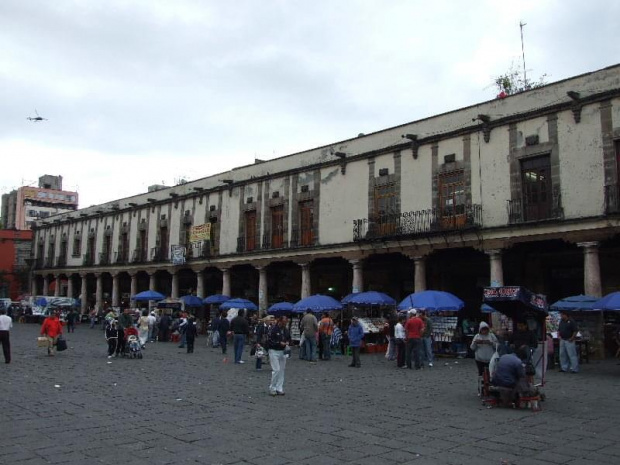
{"x": 174, "y": 407}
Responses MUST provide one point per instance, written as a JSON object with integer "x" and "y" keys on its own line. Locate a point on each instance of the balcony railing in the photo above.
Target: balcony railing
{"x": 104, "y": 258}
{"x": 39, "y": 262}
{"x": 88, "y": 260}
{"x": 302, "y": 238}
{"x": 61, "y": 261}
{"x": 49, "y": 262}
{"x": 245, "y": 244}
{"x": 120, "y": 257}
{"x": 271, "y": 241}
{"x": 521, "y": 212}
{"x": 417, "y": 223}
{"x": 612, "y": 199}
{"x": 138, "y": 256}
{"x": 199, "y": 250}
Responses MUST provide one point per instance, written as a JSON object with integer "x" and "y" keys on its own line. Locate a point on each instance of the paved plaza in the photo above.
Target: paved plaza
{"x": 172, "y": 408}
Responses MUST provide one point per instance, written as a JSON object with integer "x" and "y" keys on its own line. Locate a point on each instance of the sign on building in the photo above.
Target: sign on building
{"x": 201, "y": 232}
{"x": 178, "y": 255}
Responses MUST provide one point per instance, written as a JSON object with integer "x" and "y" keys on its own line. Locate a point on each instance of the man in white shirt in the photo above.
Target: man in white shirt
{"x": 399, "y": 339}
{"x": 6, "y": 323}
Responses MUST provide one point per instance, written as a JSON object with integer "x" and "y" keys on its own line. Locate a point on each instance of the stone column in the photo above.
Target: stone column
{"x": 99, "y": 291}
{"x": 134, "y": 283}
{"x": 152, "y": 281}
{"x": 419, "y": 273}
{"x": 358, "y": 276}
{"x": 57, "y": 287}
{"x": 116, "y": 295}
{"x": 226, "y": 281}
{"x": 497, "y": 269}
{"x": 46, "y": 284}
{"x": 175, "y": 285}
{"x": 305, "y": 280}
{"x": 69, "y": 286}
{"x": 83, "y": 293}
{"x": 200, "y": 284}
{"x": 591, "y": 269}
{"x": 262, "y": 289}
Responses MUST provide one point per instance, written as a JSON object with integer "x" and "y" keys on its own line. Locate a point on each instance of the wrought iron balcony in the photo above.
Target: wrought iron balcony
{"x": 419, "y": 223}
{"x": 273, "y": 241}
{"x": 302, "y": 238}
{"x": 199, "y": 250}
{"x": 121, "y": 257}
{"x": 612, "y": 199}
{"x": 49, "y": 262}
{"x": 248, "y": 244}
{"x": 88, "y": 260}
{"x": 522, "y": 212}
{"x": 104, "y": 258}
{"x": 158, "y": 255}
{"x": 61, "y": 261}
{"x": 39, "y": 262}
{"x": 138, "y": 256}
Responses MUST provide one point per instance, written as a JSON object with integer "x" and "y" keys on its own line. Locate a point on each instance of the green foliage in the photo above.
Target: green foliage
{"x": 512, "y": 82}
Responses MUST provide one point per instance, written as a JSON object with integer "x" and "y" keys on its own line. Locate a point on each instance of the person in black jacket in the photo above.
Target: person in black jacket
{"x": 223, "y": 328}
{"x": 240, "y": 329}
{"x": 111, "y": 335}
{"x": 190, "y": 334}
{"x": 164, "y": 328}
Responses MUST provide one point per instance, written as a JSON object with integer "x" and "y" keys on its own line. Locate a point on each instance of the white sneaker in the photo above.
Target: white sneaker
{"x": 430, "y": 365}
{"x": 241, "y": 361}
{"x": 109, "y": 356}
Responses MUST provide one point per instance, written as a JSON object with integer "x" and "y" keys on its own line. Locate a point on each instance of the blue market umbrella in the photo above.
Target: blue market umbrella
{"x": 369, "y": 298}
{"x": 216, "y": 299}
{"x": 432, "y": 301}
{"x": 41, "y": 302}
{"x": 317, "y": 303}
{"x": 241, "y": 304}
{"x": 281, "y": 308}
{"x": 574, "y": 303}
{"x": 485, "y": 308}
{"x": 192, "y": 301}
{"x": 611, "y": 302}
{"x": 148, "y": 295}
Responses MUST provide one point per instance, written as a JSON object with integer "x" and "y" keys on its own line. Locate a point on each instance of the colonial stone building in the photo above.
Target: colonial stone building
{"x": 515, "y": 191}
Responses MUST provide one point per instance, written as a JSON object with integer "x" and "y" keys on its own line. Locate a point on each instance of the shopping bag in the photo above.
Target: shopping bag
{"x": 42, "y": 341}
{"x": 61, "y": 344}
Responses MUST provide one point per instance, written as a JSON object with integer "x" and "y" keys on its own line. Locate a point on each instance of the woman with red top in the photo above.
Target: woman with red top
{"x": 52, "y": 328}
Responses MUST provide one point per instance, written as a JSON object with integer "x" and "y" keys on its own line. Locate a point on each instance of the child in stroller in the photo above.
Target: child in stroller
{"x": 132, "y": 343}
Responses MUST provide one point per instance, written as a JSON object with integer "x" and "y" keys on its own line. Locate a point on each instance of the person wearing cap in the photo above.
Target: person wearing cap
{"x": 355, "y": 334}
{"x": 567, "y": 330}
{"x": 414, "y": 327}
{"x": 152, "y": 321}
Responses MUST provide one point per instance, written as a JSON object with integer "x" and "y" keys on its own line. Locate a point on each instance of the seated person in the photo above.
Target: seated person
{"x": 510, "y": 374}
{"x": 523, "y": 336}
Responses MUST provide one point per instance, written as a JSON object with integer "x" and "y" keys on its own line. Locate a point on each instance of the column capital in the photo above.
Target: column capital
{"x": 588, "y": 245}
{"x": 493, "y": 252}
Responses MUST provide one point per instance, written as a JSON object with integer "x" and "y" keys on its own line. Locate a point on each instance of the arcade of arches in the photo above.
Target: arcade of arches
{"x": 553, "y": 267}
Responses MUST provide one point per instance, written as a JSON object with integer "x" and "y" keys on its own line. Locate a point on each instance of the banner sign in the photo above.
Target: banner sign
{"x": 201, "y": 232}
{"x": 178, "y": 254}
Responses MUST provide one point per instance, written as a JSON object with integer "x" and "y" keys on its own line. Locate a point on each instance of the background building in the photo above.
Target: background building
{"x": 27, "y": 204}
{"x": 15, "y": 248}
{"x": 514, "y": 191}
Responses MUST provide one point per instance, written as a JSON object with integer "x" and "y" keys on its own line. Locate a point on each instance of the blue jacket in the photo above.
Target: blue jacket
{"x": 356, "y": 334}
{"x": 508, "y": 372}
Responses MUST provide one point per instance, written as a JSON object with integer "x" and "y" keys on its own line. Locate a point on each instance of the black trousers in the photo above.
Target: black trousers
{"x": 6, "y": 346}
{"x": 355, "y": 361}
{"x": 413, "y": 352}
{"x": 190, "y": 344}
{"x": 120, "y": 346}
{"x": 112, "y": 346}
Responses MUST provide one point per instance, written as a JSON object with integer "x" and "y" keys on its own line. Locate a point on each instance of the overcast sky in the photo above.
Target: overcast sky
{"x": 140, "y": 92}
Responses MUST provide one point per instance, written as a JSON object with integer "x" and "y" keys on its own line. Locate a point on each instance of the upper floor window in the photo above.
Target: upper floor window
{"x": 536, "y": 182}
{"x": 451, "y": 193}
{"x": 250, "y": 230}
{"x": 306, "y": 222}
{"x": 277, "y": 227}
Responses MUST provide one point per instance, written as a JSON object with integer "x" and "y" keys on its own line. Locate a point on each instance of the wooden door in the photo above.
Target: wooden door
{"x": 306, "y": 222}
{"x": 250, "y": 230}
{"x": 277, "y": 227}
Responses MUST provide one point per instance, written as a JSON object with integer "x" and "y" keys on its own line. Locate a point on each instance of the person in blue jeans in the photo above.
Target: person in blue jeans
{"x": 567, "y": 330}
{"x": 355, "y": 334}
{"x": 240, "y": 329}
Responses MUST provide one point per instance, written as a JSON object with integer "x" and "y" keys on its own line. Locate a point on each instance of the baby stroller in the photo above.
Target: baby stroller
{"x": 132, "y": 344}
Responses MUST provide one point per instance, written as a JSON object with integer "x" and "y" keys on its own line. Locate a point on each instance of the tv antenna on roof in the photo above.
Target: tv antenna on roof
{"x": 521, "y": 26}
{"x": 37, "y": 118}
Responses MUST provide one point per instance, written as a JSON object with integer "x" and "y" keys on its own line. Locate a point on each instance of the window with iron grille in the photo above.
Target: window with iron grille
{"x": 250, "y": 230}
{"x": 452, "y": 193}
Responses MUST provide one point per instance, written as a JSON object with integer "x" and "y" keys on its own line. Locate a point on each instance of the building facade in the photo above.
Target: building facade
{"x": 514, "y": 191}
{"x": 22, "y": 207}
{"x": 15, "y": 252}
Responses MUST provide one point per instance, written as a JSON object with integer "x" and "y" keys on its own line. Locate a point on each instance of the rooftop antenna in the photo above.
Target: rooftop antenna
{"x": 521, "y": 25}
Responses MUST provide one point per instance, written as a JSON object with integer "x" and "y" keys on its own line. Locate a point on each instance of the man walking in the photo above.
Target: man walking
{"x": 427, "y": 339}
{"x": 414, "y": 328}
{"x": 326, "y": 328}
{"x": 240, "y": 329}
{"x": 567, "y": 330}
{"x": 310, "y": 326}
{"x": 6, "y": 323}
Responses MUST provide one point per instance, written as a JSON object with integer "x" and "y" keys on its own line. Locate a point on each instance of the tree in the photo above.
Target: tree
{"x": 513, "y": 81}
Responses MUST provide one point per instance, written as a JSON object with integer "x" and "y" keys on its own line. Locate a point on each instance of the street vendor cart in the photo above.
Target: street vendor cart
{"x": 527, "y": 313}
